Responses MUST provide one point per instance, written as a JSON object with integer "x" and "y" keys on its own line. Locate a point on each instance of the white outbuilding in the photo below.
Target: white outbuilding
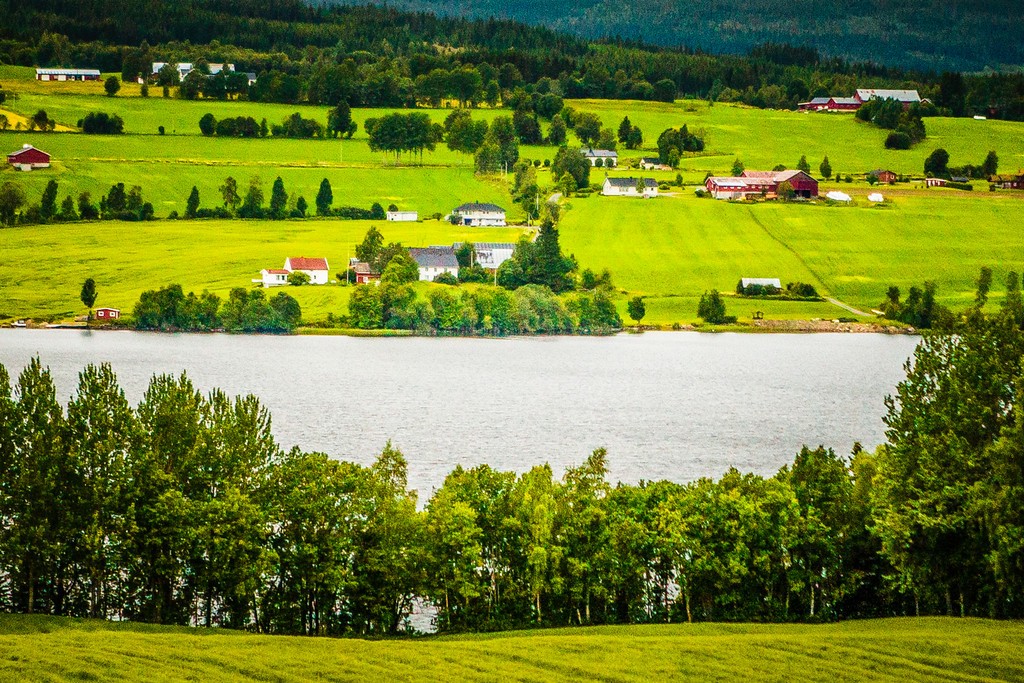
{"x": 403, "y": 216}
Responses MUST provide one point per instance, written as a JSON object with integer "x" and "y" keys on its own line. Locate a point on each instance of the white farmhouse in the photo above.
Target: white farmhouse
{"x": 629, "y": 187}
{"x": 316, "y": 268}
{"x": 761, "y": 281}
{"x": 434, "y": 261}
{"x": 479, "y": 215}
{"x": 403, "y": 216}
{"x": 609, "y": 157}
{"x": 273, "y": 277}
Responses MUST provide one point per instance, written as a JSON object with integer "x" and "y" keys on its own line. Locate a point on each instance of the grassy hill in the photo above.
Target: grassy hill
{"x": 926, "y": 649}
{"x": 669, "y": 250}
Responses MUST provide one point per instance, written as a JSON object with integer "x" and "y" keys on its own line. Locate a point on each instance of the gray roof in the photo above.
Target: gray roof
{"x": 630, "y": 182}
{"x": 434, "y": 257}
{"x": 960, "y": 179}
{"x": 488, "y": 245}
{"x": 69, "y": 72}
{"x": 866, "y": 94}
{"x": 763, "y": 281}
{"x": 478, "y": 206}
{"x": 845, "y": 100}
{"x": 820, "y": 100}
{"x": 590, "y": 152}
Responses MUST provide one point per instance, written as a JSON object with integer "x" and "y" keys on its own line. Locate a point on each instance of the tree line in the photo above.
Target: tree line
{"x": 168, "y": 309}
{"x": 379, "y": 57}
{"x": 183, "y": 510}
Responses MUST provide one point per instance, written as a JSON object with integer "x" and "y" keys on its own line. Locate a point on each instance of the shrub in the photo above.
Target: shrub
{"x": 446, "y": 279}
{"x": 898, "y": 140}
{"x": 100, "y": 123}
{"x": 711, "y": 307}
{"x": 298, "y": 278}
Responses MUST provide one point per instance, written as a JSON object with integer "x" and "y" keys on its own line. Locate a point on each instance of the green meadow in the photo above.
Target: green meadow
{"x": 43, "y": 270}
{"x": 679, "y": 246}
{"x": 668, "y": 250}
{"x": 924, "y": 649}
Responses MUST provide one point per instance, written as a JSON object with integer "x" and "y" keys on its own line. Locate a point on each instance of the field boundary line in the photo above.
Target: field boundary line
{"x": 791, "y": 250}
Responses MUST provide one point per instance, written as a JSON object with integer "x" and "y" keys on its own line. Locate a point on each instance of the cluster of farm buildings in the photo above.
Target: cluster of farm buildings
{"x": 183, "y": 69}
{"x": 431, "y": 262}
{"x": 862, "y": 96}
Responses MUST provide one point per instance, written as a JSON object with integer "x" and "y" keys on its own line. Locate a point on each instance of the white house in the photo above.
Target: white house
{"x": 316, "y": 268}
{"x": 273, "y": 277}
{"x": 490, "y": 255}
{"x": 479, "y": 215}
{"x": 609, "y": 157}
{"x": 434, "y": 261}
{"x": 185, "y": 68}
{"x": 628, "y": 187}
{"x": 653, "y": 164}
{"x": 403, "y": 216}
{"x": 762, "y": 281}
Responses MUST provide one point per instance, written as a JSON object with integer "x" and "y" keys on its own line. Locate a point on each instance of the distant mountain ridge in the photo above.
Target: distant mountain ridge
{"x": 963, "y": 35}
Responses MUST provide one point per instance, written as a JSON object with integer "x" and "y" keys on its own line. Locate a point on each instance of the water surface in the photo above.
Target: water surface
{"x": 666, "y": 405}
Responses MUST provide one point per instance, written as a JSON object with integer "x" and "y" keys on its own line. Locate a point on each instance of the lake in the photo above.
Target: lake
{"x": 668, "y": 405}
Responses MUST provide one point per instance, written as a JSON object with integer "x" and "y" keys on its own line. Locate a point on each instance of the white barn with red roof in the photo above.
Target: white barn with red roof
{"x": 28, "y": 158}
{"x": 315, "y": 267}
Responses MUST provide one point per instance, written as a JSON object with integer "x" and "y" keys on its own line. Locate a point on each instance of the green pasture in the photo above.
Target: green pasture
{"x": 760, "y": 138}
{"x": 43, "y": 267}
{"x": 924, "y": 649}
{"x": 680, "y": 246}
{"x": 166, "y": 180}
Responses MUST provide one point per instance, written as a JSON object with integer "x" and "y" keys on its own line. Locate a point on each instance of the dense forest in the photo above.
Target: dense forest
{"x": 379, "y": 56}
{"x": 959, "y": 35}
{"x": 184, "y": 510}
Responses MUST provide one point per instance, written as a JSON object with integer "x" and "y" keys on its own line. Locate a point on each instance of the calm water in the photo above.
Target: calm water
{"x": 666, "y": 405}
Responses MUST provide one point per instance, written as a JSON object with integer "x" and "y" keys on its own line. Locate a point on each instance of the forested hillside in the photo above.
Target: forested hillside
{"x": 960, "y": 34}
{"x": 377, "y": 56}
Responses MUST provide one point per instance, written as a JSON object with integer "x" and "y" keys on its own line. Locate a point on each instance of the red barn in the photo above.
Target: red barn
{"x": 884, "y": 176}
{"x": 803, "y": 184}
{"x": 1008, "y": 182}
{"x": 108, "y": 313}
{"x": 28, "y": 158}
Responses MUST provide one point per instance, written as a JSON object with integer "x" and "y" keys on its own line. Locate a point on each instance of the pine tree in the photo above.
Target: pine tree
{"x": 192, "y": 205}
{"x": 324, "y": 198}
{"x": 278, "y": 199}
{"x": 825, "y": 168}
{"x": 48, "y": 204}
{"x": 802, "y": 165}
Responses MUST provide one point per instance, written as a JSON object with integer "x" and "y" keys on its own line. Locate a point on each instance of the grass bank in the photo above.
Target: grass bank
{"x": 926, "y": 649}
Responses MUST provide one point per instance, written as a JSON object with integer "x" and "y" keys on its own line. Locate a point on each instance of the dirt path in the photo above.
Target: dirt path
{"x": 846, "y": 307}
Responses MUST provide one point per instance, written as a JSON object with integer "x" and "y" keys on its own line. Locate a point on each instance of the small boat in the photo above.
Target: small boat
{"x": 19, "y": 323}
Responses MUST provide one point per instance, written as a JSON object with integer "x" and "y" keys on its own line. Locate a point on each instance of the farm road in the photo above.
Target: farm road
{"x": 847, "y": 307}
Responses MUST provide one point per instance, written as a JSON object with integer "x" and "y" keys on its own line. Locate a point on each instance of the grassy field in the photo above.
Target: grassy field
{"x": 682, "y": 246}
{"x": 42, "y": 270}
{"x": 926, "y": 649}
{"x": 668, "y": 250}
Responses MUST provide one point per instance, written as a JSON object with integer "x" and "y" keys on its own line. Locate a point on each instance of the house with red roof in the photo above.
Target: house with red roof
{"x": 764, "y": 183}
{"x": 28, "y": 158}
{"x": 273, "y": 277}
{"x": 316, "y": 268}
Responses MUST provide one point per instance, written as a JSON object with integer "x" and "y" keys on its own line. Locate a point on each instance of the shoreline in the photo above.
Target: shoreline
{"x": 753, "y": 327}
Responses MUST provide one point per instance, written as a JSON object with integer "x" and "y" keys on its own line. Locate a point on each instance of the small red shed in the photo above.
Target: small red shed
{"x": 108, "y": 313}
{"x": 28, "y": 158}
